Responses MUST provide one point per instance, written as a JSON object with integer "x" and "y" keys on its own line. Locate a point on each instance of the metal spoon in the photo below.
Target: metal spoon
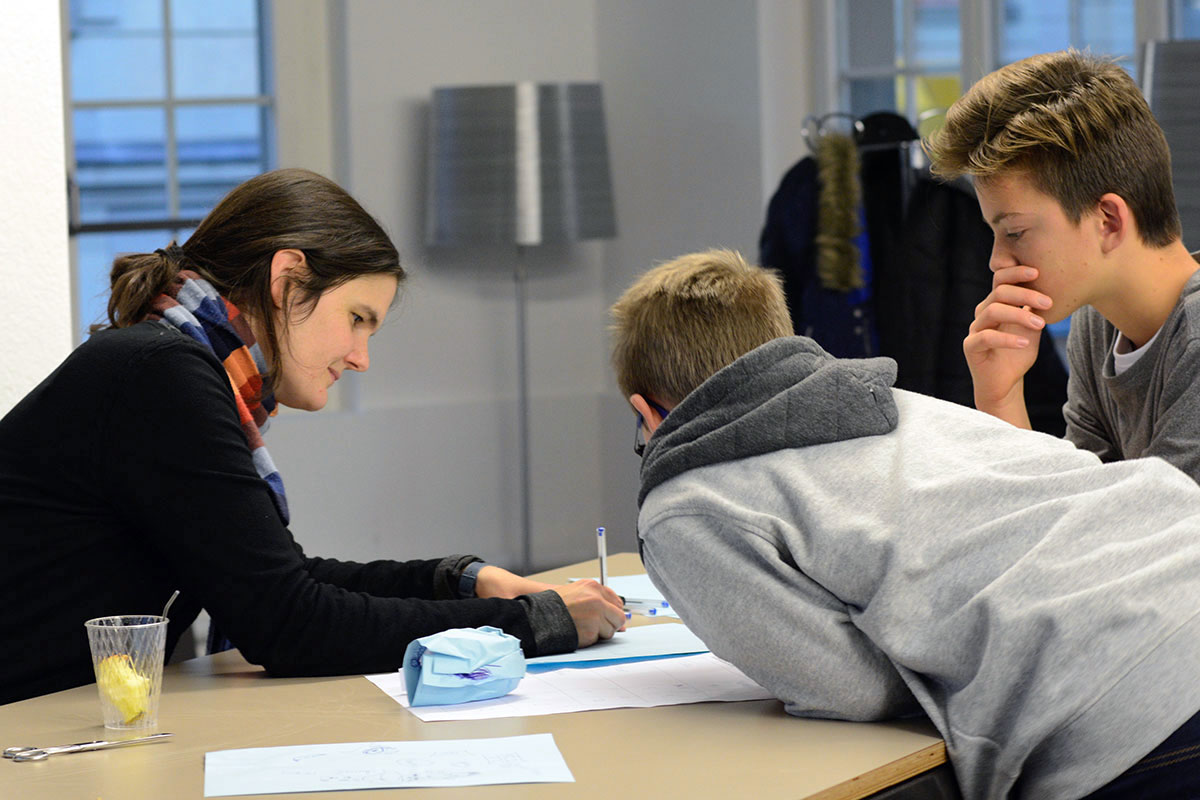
{"x": 40, "y": 753}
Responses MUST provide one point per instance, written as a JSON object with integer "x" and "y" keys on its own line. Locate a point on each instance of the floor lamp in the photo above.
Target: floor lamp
{"x": 521, "y": 165}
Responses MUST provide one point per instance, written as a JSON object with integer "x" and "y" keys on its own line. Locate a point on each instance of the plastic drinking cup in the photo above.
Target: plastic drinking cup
{"x": 127, "y": 654}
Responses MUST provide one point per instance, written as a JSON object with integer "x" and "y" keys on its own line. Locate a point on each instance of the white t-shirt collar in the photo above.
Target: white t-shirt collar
{"x": 1124, "y": 353}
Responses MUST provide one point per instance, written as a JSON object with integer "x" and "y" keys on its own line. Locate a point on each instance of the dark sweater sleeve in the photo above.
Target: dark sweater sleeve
{"x": 427, "y": 578}
{"x": 553, "y": 627}
{"x": 183, "y": 474}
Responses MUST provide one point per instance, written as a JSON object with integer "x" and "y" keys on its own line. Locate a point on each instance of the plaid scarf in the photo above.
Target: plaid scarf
{"x": 193, "y": 306}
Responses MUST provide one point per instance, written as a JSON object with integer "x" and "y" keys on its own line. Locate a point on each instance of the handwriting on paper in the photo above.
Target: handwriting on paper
{"x": 379, "y": 765}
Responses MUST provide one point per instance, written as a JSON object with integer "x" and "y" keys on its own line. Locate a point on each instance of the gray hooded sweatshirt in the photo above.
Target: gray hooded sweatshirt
{"x": 866, "y": 553}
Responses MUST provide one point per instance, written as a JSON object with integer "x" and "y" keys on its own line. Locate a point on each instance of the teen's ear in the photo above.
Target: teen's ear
{"x": 284, "y": 266}
{"x": 651, "y": 417}
{"x": 1115, "y": 221}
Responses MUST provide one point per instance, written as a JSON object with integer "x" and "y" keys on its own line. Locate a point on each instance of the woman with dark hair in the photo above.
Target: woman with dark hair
{"x": 138, "y": 466}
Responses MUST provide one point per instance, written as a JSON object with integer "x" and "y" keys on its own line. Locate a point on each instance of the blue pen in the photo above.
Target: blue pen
{"x": 645, "y": 612}
{"x": 602, "y": 550}
{"x": 647, "y": 609}
{"x": 635, "y": 601}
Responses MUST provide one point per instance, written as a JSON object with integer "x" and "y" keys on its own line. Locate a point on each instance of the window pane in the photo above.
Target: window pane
{"x": 873, "y": 94}
{"x": 120, "y": 159}
{"x": 871, "y": 34}
{"x": 935, "y": 94}
{"x": 1106, "y": 26}
{"x": 214, "y": 15}
{"x": 936, "y": 34}
{"x": 1034, "y": 26}
{"x": 216, "y": 48}
{"x": 96, "y": 254}
{"x": 219, "y": 147}
{"x": 116, "y": 50}
{"x": 1187, "y": 19}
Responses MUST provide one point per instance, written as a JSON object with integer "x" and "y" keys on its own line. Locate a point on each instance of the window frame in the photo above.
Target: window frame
{"x": 173, "y": 223}
{"x": 909, "y": 73}
{"x": 980, "y": 28}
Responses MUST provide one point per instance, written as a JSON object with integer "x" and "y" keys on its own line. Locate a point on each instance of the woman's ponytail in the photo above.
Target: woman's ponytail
{"x": 136, "y": 279}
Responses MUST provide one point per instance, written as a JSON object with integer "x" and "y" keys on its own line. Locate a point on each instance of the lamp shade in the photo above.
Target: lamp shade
{"x": 523, "y": 163}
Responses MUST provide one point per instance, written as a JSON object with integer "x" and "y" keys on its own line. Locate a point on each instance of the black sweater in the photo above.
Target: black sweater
{"x": 125, "y": 475}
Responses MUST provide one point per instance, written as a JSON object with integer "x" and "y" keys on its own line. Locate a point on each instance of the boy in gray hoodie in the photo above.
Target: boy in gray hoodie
{"x": 867, "y": 553}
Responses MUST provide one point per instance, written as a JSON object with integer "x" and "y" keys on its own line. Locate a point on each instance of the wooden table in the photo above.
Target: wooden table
{"x": 746, "y": 749}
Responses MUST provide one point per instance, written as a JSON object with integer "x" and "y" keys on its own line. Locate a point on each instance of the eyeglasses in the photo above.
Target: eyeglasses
{"x": 639, "y": 442}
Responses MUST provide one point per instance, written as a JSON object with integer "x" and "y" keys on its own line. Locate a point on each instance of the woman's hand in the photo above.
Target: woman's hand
{"x": 497, "y": 582}
{"x": 596, "y": 610}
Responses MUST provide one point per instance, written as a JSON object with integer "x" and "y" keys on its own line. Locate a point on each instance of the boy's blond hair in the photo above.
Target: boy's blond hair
{"x": 682, "y": 321}
{"x": 1077, "y": 126}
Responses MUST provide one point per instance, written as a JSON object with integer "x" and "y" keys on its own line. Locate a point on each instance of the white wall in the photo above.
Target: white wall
{"x": 428, "y": 463}
{"x": 682, "y": 91}
{"x": 789, "y": 60}
{"x": 302, "y": 32}
{"x": 35, "y": 293}
{"x": 431, "y": 456}
{"x": 425, "y": 460}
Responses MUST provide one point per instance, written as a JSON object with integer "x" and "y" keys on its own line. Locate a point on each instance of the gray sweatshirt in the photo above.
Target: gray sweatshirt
{"x": 1151, "y": 409}
{"x": 866, "y": 553}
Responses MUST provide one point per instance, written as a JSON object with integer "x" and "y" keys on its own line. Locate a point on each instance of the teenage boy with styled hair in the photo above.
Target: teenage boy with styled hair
{"x": 1074, "y": 176}
{"x": 866, "y": 553}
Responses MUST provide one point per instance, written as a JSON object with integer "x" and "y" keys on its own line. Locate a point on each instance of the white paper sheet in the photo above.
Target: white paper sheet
{"x": 384, "y": 765}
{"x": 638, "y": 684}
{"x": 642, "y": 641}
{"x": 640, "y": 595}
{"x": 632, "y": 587}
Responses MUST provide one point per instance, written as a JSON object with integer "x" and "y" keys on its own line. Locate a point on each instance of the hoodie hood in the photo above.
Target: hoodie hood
{"x": 787, "y": 393}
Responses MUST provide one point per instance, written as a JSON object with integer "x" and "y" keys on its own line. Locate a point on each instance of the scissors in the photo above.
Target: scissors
{"x": 40, "y": 753}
